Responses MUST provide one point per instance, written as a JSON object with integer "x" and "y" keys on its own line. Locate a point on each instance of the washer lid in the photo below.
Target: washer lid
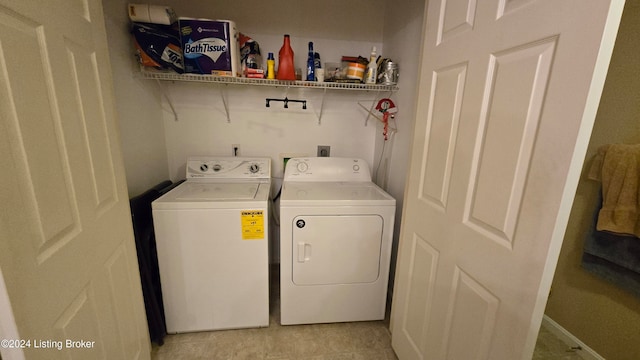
{"x": 348, "y": 192}
{"x": 217, "y": 191}
{"x": 213, "y": 194}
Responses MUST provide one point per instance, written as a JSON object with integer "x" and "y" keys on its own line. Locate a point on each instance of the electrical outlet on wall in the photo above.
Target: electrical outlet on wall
{"x": 235, "y": 149}
{"x": 324, "y": 150}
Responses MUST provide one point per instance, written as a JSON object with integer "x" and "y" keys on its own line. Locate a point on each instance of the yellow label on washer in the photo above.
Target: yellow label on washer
{"x": 252, "y": 222}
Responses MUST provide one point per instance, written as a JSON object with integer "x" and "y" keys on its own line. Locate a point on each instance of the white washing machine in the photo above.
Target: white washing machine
{"x": 336, "y": 234}
{"x": 213, "y": 246}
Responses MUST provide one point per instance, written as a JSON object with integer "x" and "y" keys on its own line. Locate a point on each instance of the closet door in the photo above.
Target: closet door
{"x": 67, "y": 252}
{"x": 508, "y": 93}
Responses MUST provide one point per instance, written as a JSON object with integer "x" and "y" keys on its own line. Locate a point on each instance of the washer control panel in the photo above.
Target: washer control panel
{"x": 203, "y": 167}
{"x": 327, "y": 169}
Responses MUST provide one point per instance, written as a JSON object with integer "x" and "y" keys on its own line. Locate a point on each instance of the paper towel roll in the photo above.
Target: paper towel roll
{"x": 154, "y": 14}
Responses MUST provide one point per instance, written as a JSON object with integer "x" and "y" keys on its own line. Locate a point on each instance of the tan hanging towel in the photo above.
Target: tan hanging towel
{"x": 617, "y": 166}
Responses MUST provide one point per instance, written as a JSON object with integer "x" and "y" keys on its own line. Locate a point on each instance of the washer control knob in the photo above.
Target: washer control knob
{"x": 356, "y": 167}
{"x": 302, "y": 167}
{"x": 204, "y": 167}
{"x": 254, "y": 168}
{"x": 217, "y": 167}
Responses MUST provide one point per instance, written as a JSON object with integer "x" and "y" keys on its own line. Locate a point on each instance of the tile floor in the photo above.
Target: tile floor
{"x": 369, "y": 340}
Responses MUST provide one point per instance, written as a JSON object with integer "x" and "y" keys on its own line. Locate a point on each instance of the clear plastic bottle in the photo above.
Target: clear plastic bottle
{"x": 372, "y": 68}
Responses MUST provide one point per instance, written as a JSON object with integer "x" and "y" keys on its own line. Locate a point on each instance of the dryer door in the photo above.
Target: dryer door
{"x": 336, "y": 249}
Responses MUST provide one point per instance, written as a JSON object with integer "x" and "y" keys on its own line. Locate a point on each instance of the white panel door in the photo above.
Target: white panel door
{"x": 66, "y": 243}
{"x": 507, "y": 96}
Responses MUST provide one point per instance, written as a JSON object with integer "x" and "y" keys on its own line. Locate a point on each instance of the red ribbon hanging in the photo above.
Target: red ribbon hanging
{"x": 386, "y": 106}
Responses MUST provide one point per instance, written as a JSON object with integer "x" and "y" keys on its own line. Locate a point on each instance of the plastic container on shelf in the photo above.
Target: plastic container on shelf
{"x": 355, "y": 71}
{"x": 286, "y": 70}
{"x": 372, "y": 68}
{"x": 271, "y": 67}
{"x": 311, "y": 67}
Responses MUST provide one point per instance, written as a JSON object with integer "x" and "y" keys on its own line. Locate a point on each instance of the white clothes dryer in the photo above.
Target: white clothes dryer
{"x": 213, "y": 246}
{"x": 336, "y": 235}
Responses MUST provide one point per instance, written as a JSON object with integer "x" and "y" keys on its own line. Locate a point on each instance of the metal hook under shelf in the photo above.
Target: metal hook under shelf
{"x": 286, "y": 101}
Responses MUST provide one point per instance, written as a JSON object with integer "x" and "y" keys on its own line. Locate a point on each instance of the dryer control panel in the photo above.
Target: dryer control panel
{"x": 327, "y": 169}
{"x": 210, "y": 168}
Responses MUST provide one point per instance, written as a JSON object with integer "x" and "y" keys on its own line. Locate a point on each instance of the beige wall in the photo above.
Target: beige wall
{"x": 603, "y": 316}
{"x": 155, "y": 145}
{"x": 402, "y": 39}
{"x": 139, "y": 107}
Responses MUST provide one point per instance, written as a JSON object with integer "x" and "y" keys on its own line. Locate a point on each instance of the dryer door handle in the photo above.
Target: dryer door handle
{"x": 304, "y": 252}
